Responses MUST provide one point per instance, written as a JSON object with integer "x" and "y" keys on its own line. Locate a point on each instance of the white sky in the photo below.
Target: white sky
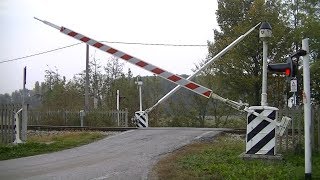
{"x": 148, "y": 21}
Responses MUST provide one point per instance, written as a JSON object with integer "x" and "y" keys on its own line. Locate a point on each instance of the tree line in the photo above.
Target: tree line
{"x": 236, "y": 75}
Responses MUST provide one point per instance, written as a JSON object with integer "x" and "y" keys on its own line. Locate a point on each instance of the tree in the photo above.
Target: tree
{"x": 180, "y": 112}
{"x": 240, "y": 69}
{"x": 37, "y": 89}
{"x": 5, "y": 98}
{"x": 211, "y": 107}
{"x": 315, "y": 81}
{"x": 152, "y": 92}
{"x": 113, "y": 72}
{"x": 16, "y": 97}
{"x": 96, "y": 81}
{"x": 303, "y": 18}
{"x": 54, "y": 97}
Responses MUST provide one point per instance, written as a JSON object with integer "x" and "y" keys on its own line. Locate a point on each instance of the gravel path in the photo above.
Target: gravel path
{"x": 127, "y": 155}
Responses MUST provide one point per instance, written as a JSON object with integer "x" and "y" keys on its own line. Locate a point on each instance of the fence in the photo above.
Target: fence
{"x": 293, "y": 138}
{"x": 7, "y": 112}
{"x": 72, "y": 118}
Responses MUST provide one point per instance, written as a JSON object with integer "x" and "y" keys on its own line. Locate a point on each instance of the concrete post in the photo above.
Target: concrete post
{"x": 307, "y": 109}
{"x": 82, "y": 114}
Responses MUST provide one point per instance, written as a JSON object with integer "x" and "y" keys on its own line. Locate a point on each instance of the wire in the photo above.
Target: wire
{"x": 156, "y": 44}
{"x": 44, "y": 52}
{"x": 113, "y": 42}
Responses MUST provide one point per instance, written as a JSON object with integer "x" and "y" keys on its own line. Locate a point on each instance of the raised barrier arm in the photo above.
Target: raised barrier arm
{"x": 206, "y": 92}
{"x": 221, "y": 53}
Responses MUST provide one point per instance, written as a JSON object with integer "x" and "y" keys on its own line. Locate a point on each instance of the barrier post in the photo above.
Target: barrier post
{"x": 307, "y": 109}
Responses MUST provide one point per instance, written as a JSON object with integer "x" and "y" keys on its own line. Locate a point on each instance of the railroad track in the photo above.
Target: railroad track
{"x": 78, "y": 128}
{"x": 87, "y": 128}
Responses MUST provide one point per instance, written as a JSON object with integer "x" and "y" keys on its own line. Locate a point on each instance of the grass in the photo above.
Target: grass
{"x": 46, "y": 144}
{"x": 220, "y": 159}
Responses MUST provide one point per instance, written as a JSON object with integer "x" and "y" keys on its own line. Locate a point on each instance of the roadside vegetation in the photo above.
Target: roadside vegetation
{"x": 219, "y": 159}
{"x": 40, "y": 144}
{"x": 57, "y": 100}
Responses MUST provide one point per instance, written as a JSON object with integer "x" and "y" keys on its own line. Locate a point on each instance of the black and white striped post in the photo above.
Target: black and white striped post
{"x": 261, "y": 130}
{"x": 141, "y": 119}
{"x": 17, "y": 128}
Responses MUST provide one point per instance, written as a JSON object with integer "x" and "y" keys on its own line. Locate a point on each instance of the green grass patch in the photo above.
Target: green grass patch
{"x": 45, "y": 144}
{"x": 220, "y": 159}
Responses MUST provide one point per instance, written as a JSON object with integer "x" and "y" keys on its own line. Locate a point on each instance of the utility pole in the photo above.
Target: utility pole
{"x": 86, "y": 97}
{"x": 264, "y": 33}
{"x": 24, "y": 107}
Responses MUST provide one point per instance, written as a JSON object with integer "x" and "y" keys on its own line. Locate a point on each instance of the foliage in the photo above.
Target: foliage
{"x": 153, "y": 90}
{"x": 240, "y": 69}
{"x": 220, "y": 159}
{"x": 180, "y": 112}
{"x": 236, "y": 75}
{"x": 38, "y": 145}
{"x": 303, "y": 19}
{"x": 212, "y": 107}
{"x": 315, "y": 81}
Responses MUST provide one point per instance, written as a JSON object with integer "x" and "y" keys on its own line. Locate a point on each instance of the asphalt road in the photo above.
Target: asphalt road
{"x": 128, "y": 155}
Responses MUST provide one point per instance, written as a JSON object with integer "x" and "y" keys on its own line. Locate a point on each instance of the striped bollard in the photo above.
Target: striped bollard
{"x": 261, "y": 130}
{"x": 141, "y": 119}
{"x": 17, "y": 128}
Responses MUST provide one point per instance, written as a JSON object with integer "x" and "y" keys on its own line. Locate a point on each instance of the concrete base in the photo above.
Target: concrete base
{"x": 277, "y": 157}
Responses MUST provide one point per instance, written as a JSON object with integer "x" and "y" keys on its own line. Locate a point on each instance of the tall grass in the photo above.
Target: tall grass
{"x": 220, "y": 159}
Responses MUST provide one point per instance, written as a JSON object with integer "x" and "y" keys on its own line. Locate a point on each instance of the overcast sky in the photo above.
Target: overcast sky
{"x": 147, "y": 21}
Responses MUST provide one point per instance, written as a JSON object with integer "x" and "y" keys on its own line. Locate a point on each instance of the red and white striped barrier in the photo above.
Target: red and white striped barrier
{"x": 138, "y": 62}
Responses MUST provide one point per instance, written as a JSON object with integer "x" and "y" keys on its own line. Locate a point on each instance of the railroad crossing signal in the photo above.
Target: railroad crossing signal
{"x": 289, "y": 68}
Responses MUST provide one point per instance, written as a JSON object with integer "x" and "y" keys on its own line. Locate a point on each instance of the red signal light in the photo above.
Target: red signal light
{"x": 288, "y": 72}
{"x": 289, "y": 68}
